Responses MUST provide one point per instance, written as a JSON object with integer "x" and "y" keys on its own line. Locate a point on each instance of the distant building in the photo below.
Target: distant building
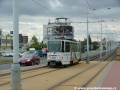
{"x": 25, "y": 39}
{"x": 6, "y": 41}
{"x": 22, "y": 40}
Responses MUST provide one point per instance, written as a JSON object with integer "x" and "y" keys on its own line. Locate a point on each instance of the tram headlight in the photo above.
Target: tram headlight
{"x": 58, "y": 59}
{"x": 49, "y": 58}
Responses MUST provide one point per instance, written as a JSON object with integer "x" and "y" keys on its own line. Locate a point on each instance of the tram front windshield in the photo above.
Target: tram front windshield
{"x": 54, "y": 46}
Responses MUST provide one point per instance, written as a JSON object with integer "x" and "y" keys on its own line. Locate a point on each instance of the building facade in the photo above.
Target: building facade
{"x": 6, "y": 41}
{"x": 22, "y": 40}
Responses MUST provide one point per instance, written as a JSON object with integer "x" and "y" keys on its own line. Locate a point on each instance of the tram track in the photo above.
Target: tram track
{"x": 64, "y": 83}
{"x": 45, "y": 71}
{"x": 91, "y": 79}
{"x": 24, "y": 75}
{"x": 94, "y": 57}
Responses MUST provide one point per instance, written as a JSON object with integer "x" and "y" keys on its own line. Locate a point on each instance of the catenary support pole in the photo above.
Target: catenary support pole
{"x": 87, "y": 60}
{"x": 15, "y": 68}
{"x": 106, "y": 41}
{"x": 101, "y": 47}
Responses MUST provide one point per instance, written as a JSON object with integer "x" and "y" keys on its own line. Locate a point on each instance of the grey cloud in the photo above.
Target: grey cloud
{"x": 70, "y": 8}
{"x": 73, "y": 9}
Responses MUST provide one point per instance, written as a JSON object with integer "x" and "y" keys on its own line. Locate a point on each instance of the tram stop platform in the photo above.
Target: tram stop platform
{"x": 111, "y": 80}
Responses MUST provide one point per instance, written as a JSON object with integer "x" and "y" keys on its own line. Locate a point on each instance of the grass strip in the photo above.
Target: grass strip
{"x": 5, "y": 61}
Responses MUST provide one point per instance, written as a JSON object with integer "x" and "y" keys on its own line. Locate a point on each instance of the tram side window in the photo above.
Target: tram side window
{"x": 67, "y": 46}
{"x": 78, "y": 47}
{"x": 75, "y": 47}
{"x": 62, "y": 46}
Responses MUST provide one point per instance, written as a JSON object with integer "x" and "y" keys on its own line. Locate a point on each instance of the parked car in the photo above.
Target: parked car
{"x": 41, "y": 53}
{"x": 29, "y": 59}
{"x": 7, "y": 54}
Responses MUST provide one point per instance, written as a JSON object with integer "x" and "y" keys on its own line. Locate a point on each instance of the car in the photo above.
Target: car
{"x": 29, "y": 59}
{"x": 7, "y": 54}
{"x": 21, "y": 54}
{"x": 41, "y": 53}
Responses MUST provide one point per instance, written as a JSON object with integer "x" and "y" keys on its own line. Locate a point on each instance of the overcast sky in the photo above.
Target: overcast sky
{"x": 35, "y": 13}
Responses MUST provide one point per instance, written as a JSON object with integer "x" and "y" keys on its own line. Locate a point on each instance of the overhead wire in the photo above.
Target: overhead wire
{"x": 64, "y": 17}
{"x": 46, "y": 8}
{"x": 94, "y": 13}
{"x": 53, "y": 12}
{"x": 92, "y": 10}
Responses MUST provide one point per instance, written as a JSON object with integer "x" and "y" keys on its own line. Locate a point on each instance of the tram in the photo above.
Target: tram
{"x": 63, "y": 52}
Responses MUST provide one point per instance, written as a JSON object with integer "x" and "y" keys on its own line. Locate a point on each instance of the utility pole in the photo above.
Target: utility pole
{"x": 15, "y": 68}
{"x": 106, "y": 41}
{"x": 101, "y": 46}
{"x": 87, "y": 60}
{"x": 1, "y": 39}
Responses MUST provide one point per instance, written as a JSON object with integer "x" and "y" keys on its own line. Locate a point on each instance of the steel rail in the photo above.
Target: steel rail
{"x": 79, "y": 73}
{"x": 91, "y": 79}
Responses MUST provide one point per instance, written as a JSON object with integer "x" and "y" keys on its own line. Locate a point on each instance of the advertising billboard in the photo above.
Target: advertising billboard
{"x": 59, "y": 30}
{"x": 50, "y": 32}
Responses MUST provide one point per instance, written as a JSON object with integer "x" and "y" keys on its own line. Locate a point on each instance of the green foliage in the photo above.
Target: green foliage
{"x": 95, "y": 45}
{"x": 5, "y": 61}
{"x": 27, "y": 48}
{"x": 90, "y": 41}
{"x": 35, "y": 44}
{"x": 34, "y": 40}
{"x": 85, "y": 41}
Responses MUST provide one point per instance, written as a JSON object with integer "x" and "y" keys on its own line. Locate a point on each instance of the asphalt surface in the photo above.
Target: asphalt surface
{"x": 8, "y": 66}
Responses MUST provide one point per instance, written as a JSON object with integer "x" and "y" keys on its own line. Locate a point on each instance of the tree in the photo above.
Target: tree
{"x": 34, "y": 40}
{"x": 85, "y": 40}
{"x": 90, "y": 41}
{"x": 95, "y": 45}
{"x": 35, "y": 44}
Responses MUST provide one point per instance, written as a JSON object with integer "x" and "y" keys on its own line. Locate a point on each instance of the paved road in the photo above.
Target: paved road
{"x": 8, "y": 66}
{"x": 6, "y": 58}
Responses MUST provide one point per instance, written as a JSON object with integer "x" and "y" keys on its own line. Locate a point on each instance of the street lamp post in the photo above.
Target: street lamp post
{"x": 101, "y": 41}
{"x": 1, "y": 39}
{"x": 115, "y": 40}
{"x": 87, "y": 60}
{"x": 15, "y": 68}
{"x": 106, "y": 41}
{"x": 109, "y": 40}
{"x": 101, "y": 46}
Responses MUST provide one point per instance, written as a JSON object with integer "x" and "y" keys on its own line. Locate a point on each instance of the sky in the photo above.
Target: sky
{"x": 33, "y": 14}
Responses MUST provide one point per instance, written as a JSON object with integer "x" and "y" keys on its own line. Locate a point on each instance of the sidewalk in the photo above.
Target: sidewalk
{"x": 112, "y": 80}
